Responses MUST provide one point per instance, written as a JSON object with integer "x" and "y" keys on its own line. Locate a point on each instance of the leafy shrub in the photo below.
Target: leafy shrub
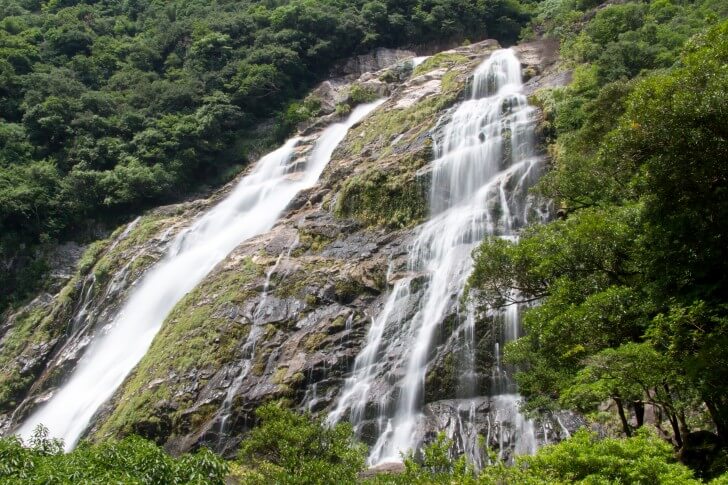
{"x": 292, "y": 448}
{"x": 131, "y": 460}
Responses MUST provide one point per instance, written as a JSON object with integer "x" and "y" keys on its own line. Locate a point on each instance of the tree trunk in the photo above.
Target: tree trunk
{"x": 720, "y": 424}
{"x": 639, "y": 412}
{"x": 622, "y": 417}
{"x": 675, "y": 429}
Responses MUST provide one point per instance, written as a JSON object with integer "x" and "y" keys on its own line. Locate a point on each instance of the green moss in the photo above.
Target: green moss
{"x": 443, "y": 59}
{"x": 337, "y": 324}
{"x": 379, "y": 129}
{"x": 393, "y": 198}
{"x": 279, "y": 376}
{"x": 313, "y": 342}
{"x": 308, "y": 274}
{"x": 91, "y": 255}
{"x": 442, "y": 380}
{"x": 359, "y": 94}
{"x": 312, "y": 241}
{"x": 451, "y": 81}
{"x": 343, "y": 109}
{"x": 297, "y": 379}
{"x": 194, "y": 336}
{"x": 347, "y": 290}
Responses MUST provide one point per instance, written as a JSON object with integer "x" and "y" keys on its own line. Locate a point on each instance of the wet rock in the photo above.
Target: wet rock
{"x": 392, "y": 468}
{"x": 375, "y": 61}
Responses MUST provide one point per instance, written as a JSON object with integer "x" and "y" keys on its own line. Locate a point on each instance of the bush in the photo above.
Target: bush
{"x": 292, "y": 448}
{"x": 131, "y": 460}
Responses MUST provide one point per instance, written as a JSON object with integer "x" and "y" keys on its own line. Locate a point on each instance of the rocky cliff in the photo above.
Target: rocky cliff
{"x": 285, "y": 314}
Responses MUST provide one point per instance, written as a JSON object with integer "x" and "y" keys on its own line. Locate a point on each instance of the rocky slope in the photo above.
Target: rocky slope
{"x": 285, "y": 314}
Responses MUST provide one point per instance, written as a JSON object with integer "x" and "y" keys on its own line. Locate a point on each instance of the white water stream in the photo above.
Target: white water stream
{"x": 250, "y": 209}
{"x": 486, "y": 162}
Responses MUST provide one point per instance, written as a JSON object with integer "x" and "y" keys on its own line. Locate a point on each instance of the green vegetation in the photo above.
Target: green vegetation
{"x": 387, "y": 190}
{"x": 297, "y": 449}
{"x": 384, "y": 126}
{"x": 631, "y": 284}
{"x": 359, "y": 94}
{"x": 377, "y": 197}
{"x": 292, "y": 448}
{"x": 440, "y": 60}
{"x": 581, "y": 459}
{"x": 108, "y": 107}
{"x": 129, "y": 461}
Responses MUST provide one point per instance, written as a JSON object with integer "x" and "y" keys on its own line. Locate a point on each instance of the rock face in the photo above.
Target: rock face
{"x": 285, "y": 314}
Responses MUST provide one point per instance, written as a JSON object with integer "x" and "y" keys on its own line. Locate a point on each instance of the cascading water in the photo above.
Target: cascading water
{"x": 248, "y": 351}
{"x": 250, "y": 209}
{"x": 486, "y": 162}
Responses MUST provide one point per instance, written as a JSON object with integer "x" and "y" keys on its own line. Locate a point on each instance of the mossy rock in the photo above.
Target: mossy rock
{"x": 443, "y": 59}
{"x": 441, "y": 381}
{"x": 392, "y": 196}
{"x": 377, "y": 132}
{"x": 314, "y": 342}
{"x": 192, "y": 339}
{"x": 312, "y": 241}
{"x": 37, "y": 326}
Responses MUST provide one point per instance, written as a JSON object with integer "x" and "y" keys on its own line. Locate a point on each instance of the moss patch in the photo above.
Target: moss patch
{"x": 393, "y": 198}
{"x": 312, "y": 242}
{"x": 441, "y": 381}
{"x": 443, "y": 59}
{"x": 379, "y": 130}
{"x": 314, "y": 341}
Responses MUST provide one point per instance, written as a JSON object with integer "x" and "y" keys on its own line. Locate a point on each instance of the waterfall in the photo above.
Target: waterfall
{"x": 251, "y": 208}
{"x": 485, "y": 163}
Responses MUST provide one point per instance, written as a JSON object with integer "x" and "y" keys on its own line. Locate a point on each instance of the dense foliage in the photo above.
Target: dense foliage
{"x": 631, "y": 283}
{"x": 132, "y": 460}
{"x": 290, "y": 448}
{"x": 107, "y": 107}
{"x": 583, "y": 459}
